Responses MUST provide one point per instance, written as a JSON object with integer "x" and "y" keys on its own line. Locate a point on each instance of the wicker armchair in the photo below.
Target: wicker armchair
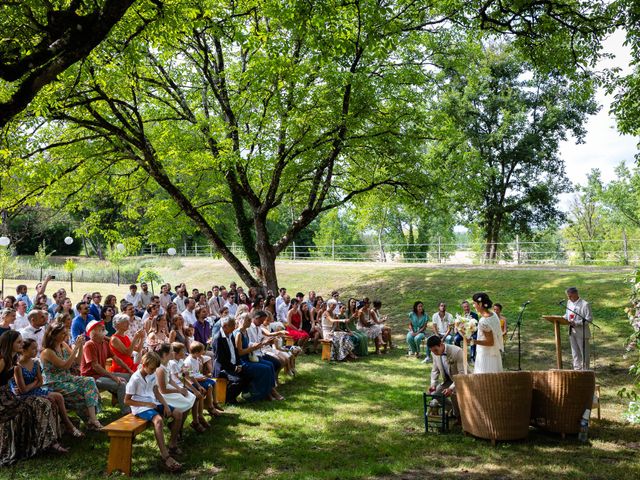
{"x": 495, "y": 406}
{"x": 560, "y": 397}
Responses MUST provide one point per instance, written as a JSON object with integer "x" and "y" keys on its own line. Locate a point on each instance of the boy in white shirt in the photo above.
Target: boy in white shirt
{"x": 146, "y": 402}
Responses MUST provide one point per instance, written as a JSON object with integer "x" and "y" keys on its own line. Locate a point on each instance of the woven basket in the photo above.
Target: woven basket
{"x": 560, "y": 397}
{"x": 495, "y": 406}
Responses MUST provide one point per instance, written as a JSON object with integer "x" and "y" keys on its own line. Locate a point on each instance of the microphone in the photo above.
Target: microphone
{"x": 526, "y": 303}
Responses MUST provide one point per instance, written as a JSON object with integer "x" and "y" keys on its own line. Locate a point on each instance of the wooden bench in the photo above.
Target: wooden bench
{"x": 121, "y": 434}
{"x": 326, "y": 349}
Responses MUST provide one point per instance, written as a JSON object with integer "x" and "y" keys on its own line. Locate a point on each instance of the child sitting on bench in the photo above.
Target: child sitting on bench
{"x": 146, "y": 402}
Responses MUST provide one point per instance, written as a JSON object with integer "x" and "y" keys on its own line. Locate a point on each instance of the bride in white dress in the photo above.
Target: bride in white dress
{"x": 489, "y": 342}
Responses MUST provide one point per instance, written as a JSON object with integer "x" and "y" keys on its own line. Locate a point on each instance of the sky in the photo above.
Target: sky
{"x": 603, "y": 146}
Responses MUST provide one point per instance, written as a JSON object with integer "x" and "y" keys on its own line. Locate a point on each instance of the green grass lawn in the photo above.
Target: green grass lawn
{"x": 364, "y": 419}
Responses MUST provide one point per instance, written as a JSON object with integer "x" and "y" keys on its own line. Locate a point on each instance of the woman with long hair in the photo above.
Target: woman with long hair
{"x": 29, "y": 425}
{"x": 418, "y": 321}
{"x": 367, "y": 325}
{"x": 80, "y": 393}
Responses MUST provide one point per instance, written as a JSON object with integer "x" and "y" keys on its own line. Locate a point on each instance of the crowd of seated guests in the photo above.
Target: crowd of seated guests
{"x": 159, "y": 355}
{"x": 442, "y": 325}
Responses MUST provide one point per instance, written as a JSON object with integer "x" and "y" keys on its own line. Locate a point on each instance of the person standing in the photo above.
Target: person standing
{"x": 489, "y": 341}
{"x": 579, "y": 315}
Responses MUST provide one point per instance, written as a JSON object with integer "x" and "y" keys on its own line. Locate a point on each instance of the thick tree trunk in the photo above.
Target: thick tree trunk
{"x": 267, "y": 255}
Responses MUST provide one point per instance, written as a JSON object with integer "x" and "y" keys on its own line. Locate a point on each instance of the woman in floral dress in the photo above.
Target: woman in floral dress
{"x": 80, "y": 393}
{"x": 368, "y": 326}
{"x": 342, "y": 346}
{"x": 29, "y": 425}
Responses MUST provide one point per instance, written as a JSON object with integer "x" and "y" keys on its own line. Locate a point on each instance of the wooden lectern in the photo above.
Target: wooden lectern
{"x": 557, "y": 320}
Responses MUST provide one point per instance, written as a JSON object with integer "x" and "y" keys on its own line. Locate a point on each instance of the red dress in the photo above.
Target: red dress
{"x": 126, "y": 359}
{"x": 296, "y": 321}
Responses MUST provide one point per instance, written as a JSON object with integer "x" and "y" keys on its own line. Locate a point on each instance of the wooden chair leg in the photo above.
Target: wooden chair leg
{"x": 120, "y": 452}
{"x": 326, "y": 351}
{"x": 220, "y": 392}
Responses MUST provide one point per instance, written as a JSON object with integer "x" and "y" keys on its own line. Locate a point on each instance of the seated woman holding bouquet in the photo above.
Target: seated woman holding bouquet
{"x": 342, "y": 346}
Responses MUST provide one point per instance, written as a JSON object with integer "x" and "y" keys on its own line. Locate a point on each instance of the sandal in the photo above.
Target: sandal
{"x": 94, "y": 427}
{"x": 218, "y": 407}
{"x": 170, "y": 465}
{"x": 175, "y": 451}
{"x": 56, "y": 447}
{"x": 197, "y": 427}
{"x": 76, "y": 433}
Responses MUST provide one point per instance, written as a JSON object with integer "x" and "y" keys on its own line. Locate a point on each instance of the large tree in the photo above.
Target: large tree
{"x": 41, "y": 39}
{"x": 505, "y": 125}
{"x": 250, "y": 108}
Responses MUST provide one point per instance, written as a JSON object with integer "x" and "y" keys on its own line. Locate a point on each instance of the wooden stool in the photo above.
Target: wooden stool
{"x": 220, "y": 392}
{"x": 121, "y": 434}
{"x": 289, "y": 341}
{"x": 326, "y": 349}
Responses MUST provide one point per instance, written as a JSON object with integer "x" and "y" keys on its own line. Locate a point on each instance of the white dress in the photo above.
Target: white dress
{"x": 177, "y": 400}
{"x": 489, "y": 359}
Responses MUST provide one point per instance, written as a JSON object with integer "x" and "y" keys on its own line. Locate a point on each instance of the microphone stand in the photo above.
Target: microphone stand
{"x": 517, "y": 327}
{"x": 584, "y": 338}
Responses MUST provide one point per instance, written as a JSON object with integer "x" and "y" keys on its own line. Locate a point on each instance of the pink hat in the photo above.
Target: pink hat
{"x": 92, "y": 324}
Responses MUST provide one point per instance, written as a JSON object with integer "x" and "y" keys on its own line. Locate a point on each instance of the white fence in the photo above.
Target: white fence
{"x": 595, "y": 252}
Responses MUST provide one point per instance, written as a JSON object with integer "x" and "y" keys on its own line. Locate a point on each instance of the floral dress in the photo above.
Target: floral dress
{"x": 369, "y": 328}
{"x": 79, "y": 392}
{"x": 28, "y": 425}
{"x": 342, "y": 346}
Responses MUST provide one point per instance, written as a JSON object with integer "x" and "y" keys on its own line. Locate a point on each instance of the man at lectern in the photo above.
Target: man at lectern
{"x": 578, "y": 314}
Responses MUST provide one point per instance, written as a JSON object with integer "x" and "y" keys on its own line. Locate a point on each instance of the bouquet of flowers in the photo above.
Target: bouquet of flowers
{"x": 466, "y": 326}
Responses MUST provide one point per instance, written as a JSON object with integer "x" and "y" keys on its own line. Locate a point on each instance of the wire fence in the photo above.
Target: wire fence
{"x": 622, "y": 251}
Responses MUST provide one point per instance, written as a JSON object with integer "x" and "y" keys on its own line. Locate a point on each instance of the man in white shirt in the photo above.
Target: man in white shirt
{"x": 189, "y": 311}
{"x": 145, "y": 295}
{"x": 280, "y": 298}
{"x": 448, "y": 361}
{"x": 283, "y": 309}
{"x": 22, "y": 320}
{"x": 133, "y": 297}
{"x": 37, "y": 321}
{"x": 180, "y": 300}
{"x": 231, "y": 305}
{"x": 579, "y": 315}
{"x": 216, "y": 302}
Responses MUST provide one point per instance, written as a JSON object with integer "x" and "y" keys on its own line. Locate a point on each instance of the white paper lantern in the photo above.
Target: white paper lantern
{"x": 120, "y": 247}
{"x": 172, "y": 251}
{"x": 5, "y": 241}
{"x": 68, "y": 240}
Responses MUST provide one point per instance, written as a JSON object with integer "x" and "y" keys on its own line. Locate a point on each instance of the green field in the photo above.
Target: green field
{"x": 363, "y": 419}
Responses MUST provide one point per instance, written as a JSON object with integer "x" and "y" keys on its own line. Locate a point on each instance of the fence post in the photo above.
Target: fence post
{"x": 333, "y": 249}
{"x": 439, "y": 250}
{"x": 196, "y": 249}
{"x": 518, "y": 249}
{"x": 210, "y": 250}
{"x": 184, "y": 248}
{"x": 152, "y": 249}
{"x": 293, "y": 252}
{"x": 625, "y": 247}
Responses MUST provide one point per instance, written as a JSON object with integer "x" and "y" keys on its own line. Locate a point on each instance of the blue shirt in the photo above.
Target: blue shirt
{"x": 79, "y": 326}
{"x": 25, "y": 299}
